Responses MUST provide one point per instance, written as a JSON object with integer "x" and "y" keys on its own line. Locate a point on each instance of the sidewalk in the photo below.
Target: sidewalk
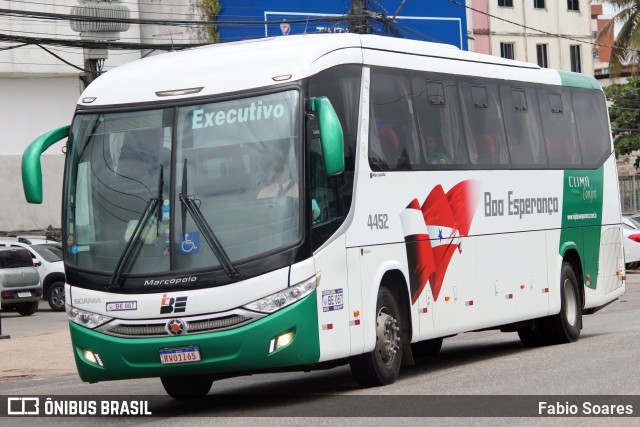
{"x": 46, "y": 355}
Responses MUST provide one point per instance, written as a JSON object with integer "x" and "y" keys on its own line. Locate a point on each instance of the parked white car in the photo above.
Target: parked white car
{"x": 631, "y": 241}
{"x": 47, "y": 257}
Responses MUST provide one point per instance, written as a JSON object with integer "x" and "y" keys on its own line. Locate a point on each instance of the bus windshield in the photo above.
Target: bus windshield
{"x": 235, "y": 171}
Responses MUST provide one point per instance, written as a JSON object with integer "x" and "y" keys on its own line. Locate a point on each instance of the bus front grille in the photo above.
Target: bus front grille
{"x": 190, "y": 325}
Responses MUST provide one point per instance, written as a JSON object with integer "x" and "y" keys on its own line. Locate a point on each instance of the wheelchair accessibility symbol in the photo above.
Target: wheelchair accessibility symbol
{"x": 190, "y": 244}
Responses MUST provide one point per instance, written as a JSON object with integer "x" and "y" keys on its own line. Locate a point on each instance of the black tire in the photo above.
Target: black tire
{"x": 532, "y": 337}
{"x": 55, "y": 296}
{"x": 428, "y": 348}
{"x": 565, "y": 326}
{"x": 382, "y": 365}
{"x": 187, "y": 387}
{"x": 27, "y": 308}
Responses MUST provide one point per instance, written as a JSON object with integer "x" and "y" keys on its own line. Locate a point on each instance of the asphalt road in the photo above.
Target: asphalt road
{"x": 603, "y": 362}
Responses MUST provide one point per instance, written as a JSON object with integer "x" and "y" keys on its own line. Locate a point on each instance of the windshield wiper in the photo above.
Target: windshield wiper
{"x": 189, "y": 204}
{"x": 132, "y": 248}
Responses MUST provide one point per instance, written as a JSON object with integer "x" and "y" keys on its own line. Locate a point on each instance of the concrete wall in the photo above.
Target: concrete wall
{"x": 16, "y": 214}
{"x": 28, "y": 108}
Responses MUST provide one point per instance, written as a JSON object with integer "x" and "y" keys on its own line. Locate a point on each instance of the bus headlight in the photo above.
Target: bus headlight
{"x": 285, "y": 297}
{"x": 86, "y": 318}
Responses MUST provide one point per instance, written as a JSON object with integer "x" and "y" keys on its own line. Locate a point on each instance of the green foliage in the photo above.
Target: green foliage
{"x": 627, "y": 43}
{"x": 211, "y": 9}
{"x": 625, "y": 116}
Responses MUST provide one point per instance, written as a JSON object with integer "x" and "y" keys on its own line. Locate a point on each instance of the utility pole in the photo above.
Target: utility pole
{"x": 358, "y": 19}
{"x": 98, "y": 30}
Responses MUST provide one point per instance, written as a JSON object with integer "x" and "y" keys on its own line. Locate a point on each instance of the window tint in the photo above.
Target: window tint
{"x": 438, "y": 116}
{"x": 482, "y": 123}
{"x": 524, "y": 132}
{"x": 332, "y": 195}
{"x": 559, "y": 127}
{"x": 482, "y": 119}
{"x": 393, "y": 138}
{"x": 14, "y": 258}
{"x": 593, "y": 128}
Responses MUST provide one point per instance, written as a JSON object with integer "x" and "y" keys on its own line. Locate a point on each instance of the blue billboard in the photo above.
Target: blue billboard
{"x": 439, "y": 21}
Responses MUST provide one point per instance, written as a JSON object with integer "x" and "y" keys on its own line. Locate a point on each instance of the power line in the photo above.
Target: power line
{"x": 169, "y": 22}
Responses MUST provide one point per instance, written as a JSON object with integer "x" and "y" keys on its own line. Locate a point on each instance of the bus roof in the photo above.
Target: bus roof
{"x": 232, "y": 67}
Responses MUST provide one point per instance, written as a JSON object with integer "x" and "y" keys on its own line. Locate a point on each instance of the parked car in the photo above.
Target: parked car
{"x": 20, "y": 286}
{"x": 47, "y": 257}
{"x": 631, "y": 241}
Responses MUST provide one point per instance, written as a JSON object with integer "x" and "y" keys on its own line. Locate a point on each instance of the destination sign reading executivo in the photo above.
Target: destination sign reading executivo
{"x": 254, "y": 112}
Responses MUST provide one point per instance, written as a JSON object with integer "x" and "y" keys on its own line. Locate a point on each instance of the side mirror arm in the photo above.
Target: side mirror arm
{"x": 31, "y": 166}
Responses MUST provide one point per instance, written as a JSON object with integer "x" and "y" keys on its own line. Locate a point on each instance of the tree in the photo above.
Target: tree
{"x": 627, "y": 43}
{"x": 624, "y": 114}
{"x": 210, "y": 10}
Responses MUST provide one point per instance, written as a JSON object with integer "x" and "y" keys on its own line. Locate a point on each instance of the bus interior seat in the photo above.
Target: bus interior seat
{"x": 390, "y": 145}
{"x": 486, "y": 148}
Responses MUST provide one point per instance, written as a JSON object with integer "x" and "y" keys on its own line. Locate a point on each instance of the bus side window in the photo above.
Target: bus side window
{"x": 593, "y": 129}
{"x": 439, "y": 122}
{"x": 522, "y": 122}
{"x": 558, "y": 124}
{"x": 482, "y": 118}
{"x": 393, "y": 136}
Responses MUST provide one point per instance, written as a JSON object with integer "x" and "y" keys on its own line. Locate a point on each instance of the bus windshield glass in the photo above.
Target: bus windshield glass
{"x": 235, "y": 171}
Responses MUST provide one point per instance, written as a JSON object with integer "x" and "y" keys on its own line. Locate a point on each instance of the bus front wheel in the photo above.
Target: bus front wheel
{"x": 187, "y": 387}
{"x": 382, "y": 365}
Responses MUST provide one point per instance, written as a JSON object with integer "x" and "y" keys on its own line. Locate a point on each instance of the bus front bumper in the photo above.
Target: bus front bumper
{"x": 101, "y": 357}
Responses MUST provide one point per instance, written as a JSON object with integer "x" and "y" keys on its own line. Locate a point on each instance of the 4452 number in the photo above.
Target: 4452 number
{"x": 378, "y": 221}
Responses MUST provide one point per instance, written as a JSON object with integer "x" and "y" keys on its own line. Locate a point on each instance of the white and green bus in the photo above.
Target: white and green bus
{"x": 308, "y": 201}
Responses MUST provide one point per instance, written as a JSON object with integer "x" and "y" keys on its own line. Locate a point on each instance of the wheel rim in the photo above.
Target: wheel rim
{"x": 57, "y": 296}
{"x": 570, "y": 302}
{"x": 388, "y": 339}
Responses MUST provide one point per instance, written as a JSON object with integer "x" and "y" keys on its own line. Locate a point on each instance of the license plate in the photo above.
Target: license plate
{"x": 170, "y": 356}
{"x": 24, "y": 294}
{"x": 332, "y": 300}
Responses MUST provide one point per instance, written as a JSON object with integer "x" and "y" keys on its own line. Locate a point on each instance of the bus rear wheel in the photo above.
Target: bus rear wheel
{"x": 565, "y": 326}
{"x": 382, "y": 365}
{"x": 187, "y": 387}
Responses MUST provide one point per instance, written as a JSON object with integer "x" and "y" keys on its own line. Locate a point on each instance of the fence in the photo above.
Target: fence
{"x": 629, "y": 193}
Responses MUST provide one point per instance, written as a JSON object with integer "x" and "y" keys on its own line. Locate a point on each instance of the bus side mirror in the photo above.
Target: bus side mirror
{"x": 31, "y": 167}
{"x": 331, "y": 137}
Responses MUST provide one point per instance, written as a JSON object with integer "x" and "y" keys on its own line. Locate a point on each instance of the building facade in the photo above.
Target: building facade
{"x": 550, "y": 33}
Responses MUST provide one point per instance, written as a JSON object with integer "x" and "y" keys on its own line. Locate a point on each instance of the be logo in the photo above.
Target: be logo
{"x": 173, "y": 305}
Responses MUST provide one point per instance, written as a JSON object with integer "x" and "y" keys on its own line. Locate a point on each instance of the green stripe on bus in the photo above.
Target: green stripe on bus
{"x": 578, "y": 80}
{"x": 238, "y": 350}
{"x": 582, "y": 219}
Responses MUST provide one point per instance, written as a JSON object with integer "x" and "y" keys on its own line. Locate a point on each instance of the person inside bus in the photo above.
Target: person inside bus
{"x": 435, "y": 154}
{"x": 279, "y": 180}
{"x": 281, "y": 183}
